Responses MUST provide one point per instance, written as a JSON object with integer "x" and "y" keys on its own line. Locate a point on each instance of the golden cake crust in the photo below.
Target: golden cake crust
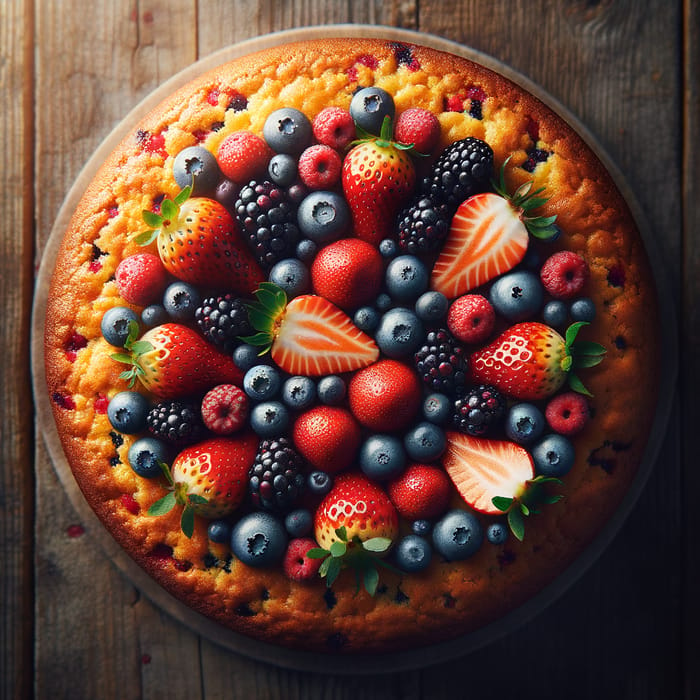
{"x": 450, "y": 599}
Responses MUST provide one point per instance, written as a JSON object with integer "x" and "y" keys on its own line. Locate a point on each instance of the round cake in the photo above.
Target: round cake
{"x": 352, "y": 345}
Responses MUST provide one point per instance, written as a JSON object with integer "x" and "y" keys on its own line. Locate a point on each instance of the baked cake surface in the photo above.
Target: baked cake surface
{"x": 450, "y": 597}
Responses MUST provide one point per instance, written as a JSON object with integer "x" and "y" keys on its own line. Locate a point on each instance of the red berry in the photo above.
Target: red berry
{"x": 421, "y": 492}
{"x": 141, "y": 279}
{"x": 564, "y": 274}
{"x": 296, "y": 565}
{"x": 224, "y": 409}
{"x": 568, "y": 413}
{"x": 243, "y": 156}
{"x": 129, "y": 502}
{"x": 419, "y": 127}
{"x": 319, "y": 167}
{"x": 471, "y": 318}
{"x": 334, "y": 127}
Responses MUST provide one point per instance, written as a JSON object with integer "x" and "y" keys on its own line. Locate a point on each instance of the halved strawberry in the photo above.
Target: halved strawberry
{"x": 489, "y": 236}
{"x": 309, "y": 335}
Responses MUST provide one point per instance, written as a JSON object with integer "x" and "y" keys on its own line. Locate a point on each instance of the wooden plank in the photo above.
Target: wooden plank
{"x": 16, "y": 281}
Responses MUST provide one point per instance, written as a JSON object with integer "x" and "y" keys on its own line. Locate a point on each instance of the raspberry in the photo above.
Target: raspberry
{"x": 471, "y": 318}
{"x": 243, "y": 156}
{"x": 141, "y": 279}
{"x": 334, "y": 127}
{"x": 567, "y": 414}
{"x": 319, "y": 167}
{"x": 297, "y": 566}
{"x": 564, "y": 274}
{"x": 419, "y": 127}
{"x": 224, "y": 409}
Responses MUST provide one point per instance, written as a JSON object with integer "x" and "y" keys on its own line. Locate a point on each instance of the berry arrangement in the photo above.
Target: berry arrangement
{"x": 353, "y": 354}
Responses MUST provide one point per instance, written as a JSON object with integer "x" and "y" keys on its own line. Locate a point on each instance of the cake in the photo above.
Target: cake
{"x": 352, "y": 345}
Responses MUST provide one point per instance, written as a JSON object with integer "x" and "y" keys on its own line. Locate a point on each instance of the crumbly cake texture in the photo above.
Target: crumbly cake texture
{"x": 450, "y": 598}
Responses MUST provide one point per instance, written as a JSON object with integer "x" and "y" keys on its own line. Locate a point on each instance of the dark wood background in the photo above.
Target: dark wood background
{"x": 71, "y": 626}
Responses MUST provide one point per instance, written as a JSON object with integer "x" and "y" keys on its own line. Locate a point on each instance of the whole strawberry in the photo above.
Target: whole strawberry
{"x": 200, "y": 242}
{"x": 209, "y": 479}
{"x": 378, "y": 177}
{"x": 173, "y": 360}
{"x": 532, "y": 361}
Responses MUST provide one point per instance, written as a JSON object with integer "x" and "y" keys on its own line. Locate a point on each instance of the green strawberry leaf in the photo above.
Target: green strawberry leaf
{"x": 516, "y": 523}
{"x": 121, "y": 357}
{"x": 317, "y": 553}
{"x": 572, "y": 332}
{"x": 197, "y": 499}
{"x": 567, "y": 362}
{"x": 187, "y": 521}
{"x": 575, "y": 384}
{"x": 259, "y": 340}
{"x": 151, "y": 219}
{"x": 132, "y": 335}
{"x": 342, "y": 533}
{"x": 146, "y": 237}
{"x": 338, "y": 549}
{"x": 130, "y": 375}
{"x": 163, "y": 505}
{"x": 502, "y": 503}
{"x": 141, "y": 347}
{"x": 525, "y": 510}
{"x": 377, "y": 545}
{"x": 371, "y": 580}
{"x": 169, "y": 210}
{"x": 587, "y": 361}
{"x": 586, "y": 347}
{"x": 183, "y": 195}
{"x": 332, "y": 570}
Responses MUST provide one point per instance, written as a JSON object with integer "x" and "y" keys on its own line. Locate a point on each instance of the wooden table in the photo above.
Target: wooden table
{"x": 70, "y": 625}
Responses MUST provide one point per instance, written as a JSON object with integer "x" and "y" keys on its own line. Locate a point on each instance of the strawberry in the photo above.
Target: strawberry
{"x": 385, "y": 396}
{"x": 209, "y": 479}
{"x": 141, "y": 279}
{"x": 200, "y": 242}
{"x": 419, "y": 127}
{"x": 348, "y": 273}
{"x": 421, "y": 492}
{"x": 488, "y": 236}
{"x": 172, "y": 360}
{"x": 243, "y": 156}
{"x": 532, "y": 361}
{"x": 495, "y": 477}
{"x": 308, "y": 336}
{"x": 355, "y": 525}
{"x": 378, "y": 176}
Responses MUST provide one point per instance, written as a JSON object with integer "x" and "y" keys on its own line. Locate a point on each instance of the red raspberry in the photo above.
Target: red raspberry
{"x": 568, "y": 413}
{"x": 296, "y": 565}
{"x": 419, "y": 127}
{"x": 564, "y": 274}
{"x": 319, "y": 167}
{"x": 243, "y": 156}
{"x": 141, "y": 279}
{"x": 334, "y": 127}
{"x": 471, "y": 318}
{"x": 421, "y": 492}
{"x": 224, "y": 409}
{"x": 129, "y": 502}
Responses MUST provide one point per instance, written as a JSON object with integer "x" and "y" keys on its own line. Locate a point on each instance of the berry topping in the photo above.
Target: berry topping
{"x": 334, "y": 127}
{"x": 141, "y": 278}
{"x": 423, "y": 225}
{"x": 287, "y": 130}
{"x": 224, "y": 409}
{"x": 441, "y": 362}
{"x": 422, "y": 492}
{"x": 471, "y": 318}
{"x": 176, "y": 421}
{"x": 243, "y": 156}
{"x": 419, "y": 127}
{"x": 564, "y": 274}
{"x": 568, "y": 413}
{"x": 477, "y": 410}
{"x": 223, "y": 320}
{"x": 275, "y": 481}
{"x": 319, "y": 167}
{"x": 296, "y": 565}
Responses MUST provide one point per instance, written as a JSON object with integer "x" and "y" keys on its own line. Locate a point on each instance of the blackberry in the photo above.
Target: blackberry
{"x": 268, "y": 217}
{"x": 275, "y": 481}
{"x": 222, "y": 320}
{"x": 478, "y": 409}
{"x": 464, "y": 168}
{"x": 177, "y": 422}
{"x": 423, "y": 225}
{"x": 441, "y": 362}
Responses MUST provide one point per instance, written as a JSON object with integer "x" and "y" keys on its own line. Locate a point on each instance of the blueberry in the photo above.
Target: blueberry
{"x": 421, "y": 527}
{"x": 269, "y": 419}
{"x": 299, "y": 522}
{"x": 388, "y": 248}
{"x": 582, "y": 310}
{"x": 154, "y": 315}
{"x": 323, "y": 216}
{"x": 298, "y": 392}
{"x": 497, "y": 533}
{"x": 400, "y": 333}
{"x": 291, "y": 275}
{"x": 262, "y": 382}
{"x": 319, "y": 483}
{"x": 127, "y": 412}
{"x": 369, "y": 106}
{"x": 517, "y": 295}
{"x": 425, "y": 442}
{"x": 413, "y": 554}
{"x": 383, "y": 302}
{"x": 259, "y": 539}
{"x": 366, "y": 319}
{"x": 196, "y": 166}
{"x": 181, "y": 300}
{"x": 331, "y": 390}
{"x": 287, "y": 130}
{"x": 437, "y": 408}
{"x": 555, "y": 314}
{"x": 246, "y": 356}
{"x": 226, "y": 193}
{"x": 219, "y": 531}
{"x": 407, "y": 278}
{"x": 431, "y": 306}
{"x": 524, "y": 423}
{"x": 553, "y": 455}
{"x": 282, "y": 169}
{"x": 458, "y": 535}
{"x": 145, "y": 455}
{"x": 382, "y": 457}
{"x": 306, "y": 250}
{"x": 115, "y": 324}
